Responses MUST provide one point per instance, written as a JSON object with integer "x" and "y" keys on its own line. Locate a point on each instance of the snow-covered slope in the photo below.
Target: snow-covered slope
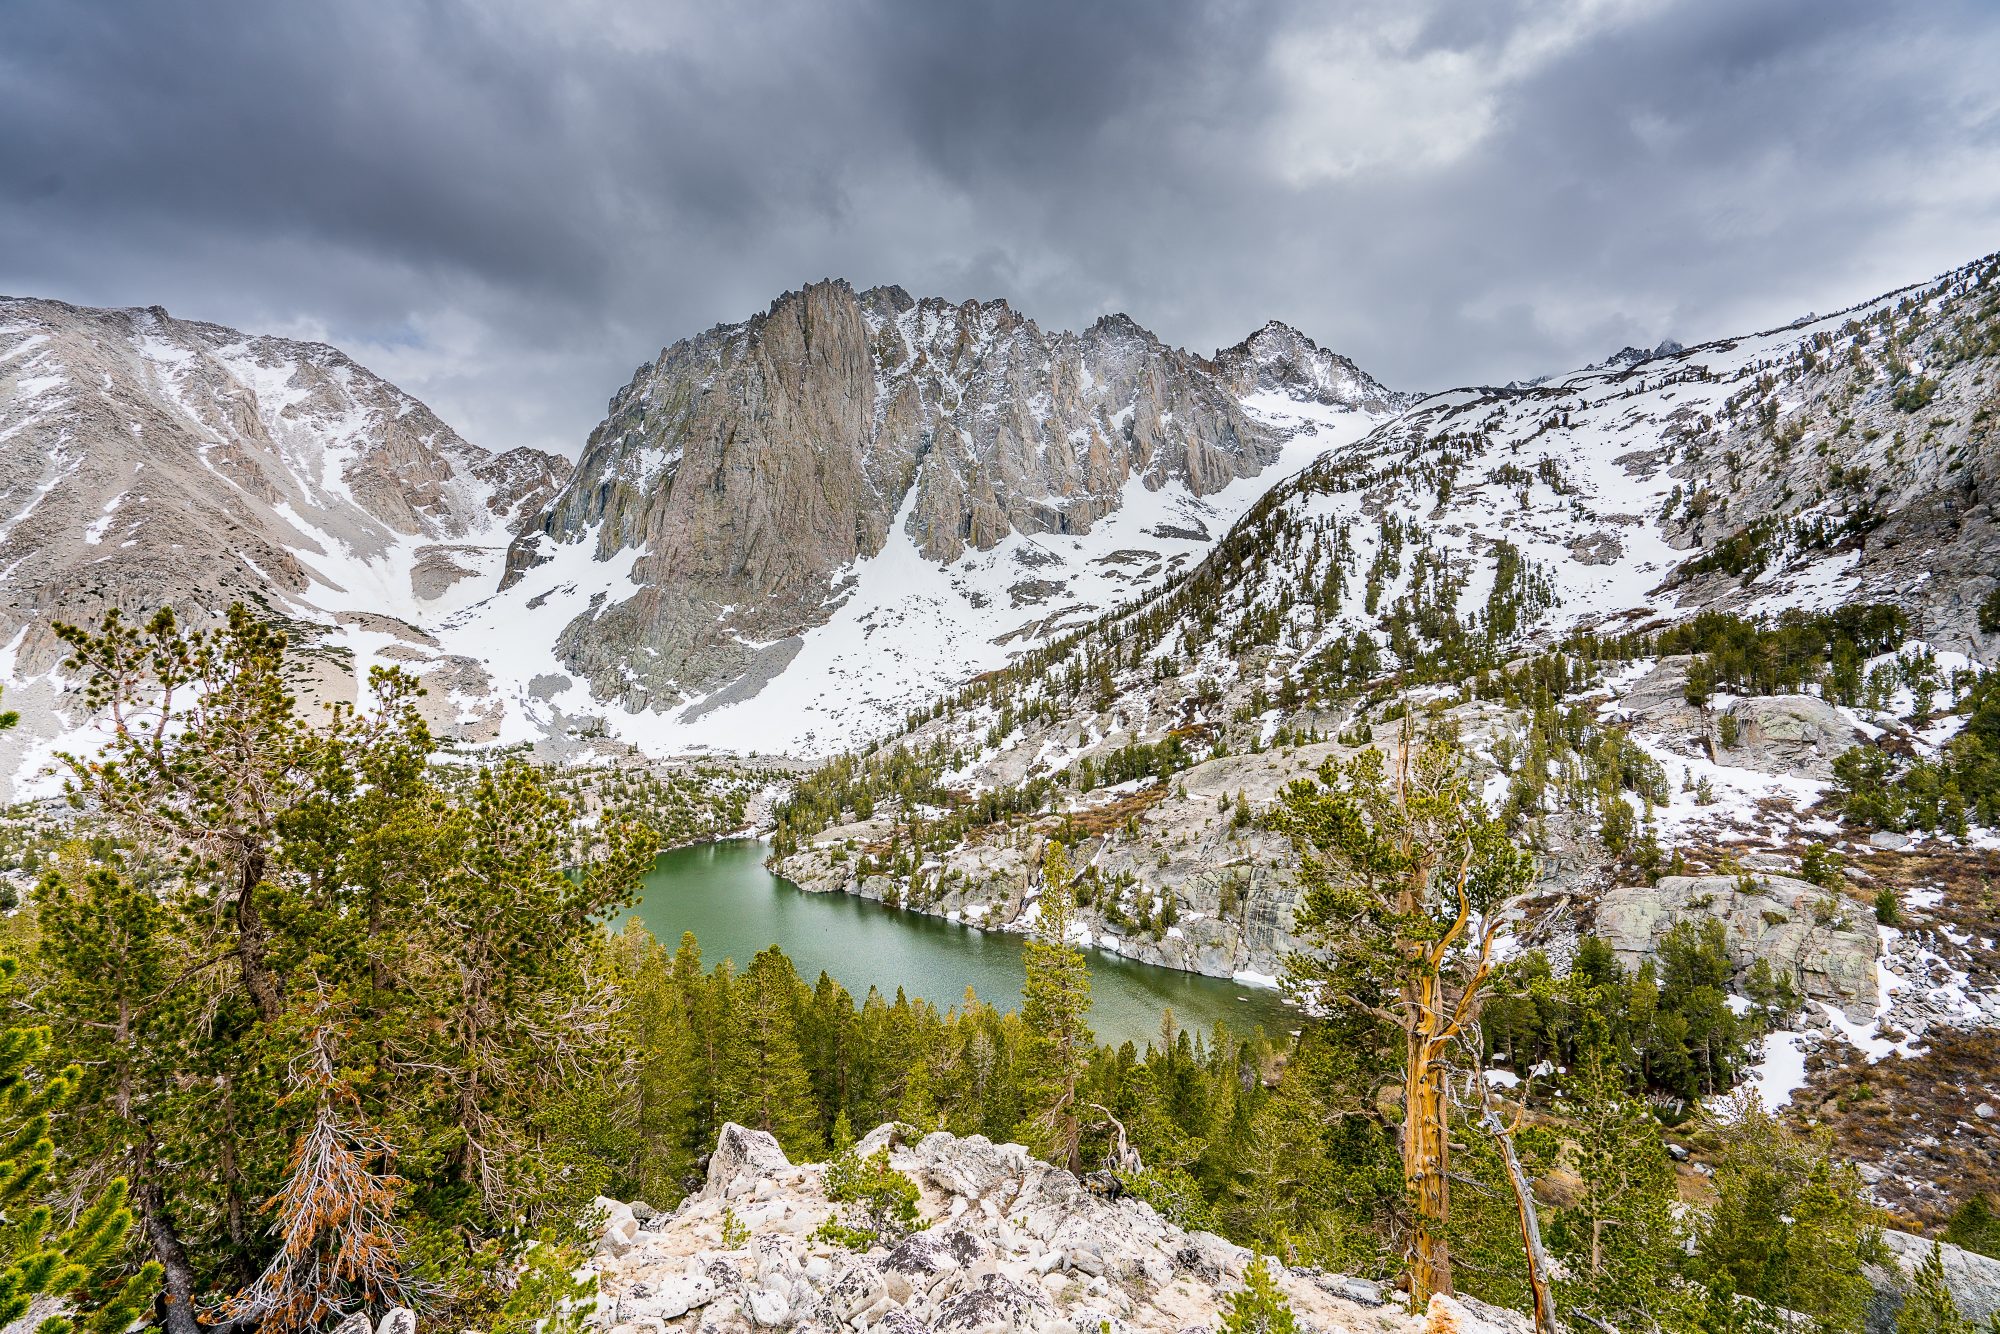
{"x": 1786, "y": 469}
{"x": 146, "y": 460}
{"x": 1793, "y": 470}
{"x": 787, "y": 533}
{"x": 900, "y": 627}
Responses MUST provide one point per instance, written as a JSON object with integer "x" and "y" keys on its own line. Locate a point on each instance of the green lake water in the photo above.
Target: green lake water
{"x": 722, "y": 893}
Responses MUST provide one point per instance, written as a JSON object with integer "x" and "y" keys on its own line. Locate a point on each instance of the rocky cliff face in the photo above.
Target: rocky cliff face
{"x": 750, "y": 469}
{"x": 146, "y": 460}
{"x": 785, "y": 533}
{"x": 1844, "y": 460}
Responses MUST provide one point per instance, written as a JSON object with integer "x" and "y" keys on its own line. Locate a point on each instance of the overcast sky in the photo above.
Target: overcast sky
{"x": 505, "y": 206}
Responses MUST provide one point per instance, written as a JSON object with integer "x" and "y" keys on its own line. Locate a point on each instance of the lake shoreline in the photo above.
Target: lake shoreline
{"x": 725, "y": 892}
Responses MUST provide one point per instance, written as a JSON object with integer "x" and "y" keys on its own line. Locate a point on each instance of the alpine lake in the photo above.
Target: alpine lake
{"x": 722, "y": 892}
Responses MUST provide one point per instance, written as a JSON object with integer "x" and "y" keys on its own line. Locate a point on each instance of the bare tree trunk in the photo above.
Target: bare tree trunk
{"x": 251, "y": 939}
{"x": 1127, "y": 1157}
{"x": 1524, "y": 1205}
{"x": 237, "y": 1208}
{"x": 1426, "y": 1155}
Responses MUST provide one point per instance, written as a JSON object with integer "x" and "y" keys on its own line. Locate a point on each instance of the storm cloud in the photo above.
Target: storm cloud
{"x": 507, "y": 206}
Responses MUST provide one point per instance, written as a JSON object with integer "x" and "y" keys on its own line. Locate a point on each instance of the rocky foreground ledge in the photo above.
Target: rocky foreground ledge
{"x": 1012, "y": 1245}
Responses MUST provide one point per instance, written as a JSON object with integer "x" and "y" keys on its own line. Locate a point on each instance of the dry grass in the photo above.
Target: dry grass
{"x": 1101, "y": 820}
{"x": 1913, "y": 1117}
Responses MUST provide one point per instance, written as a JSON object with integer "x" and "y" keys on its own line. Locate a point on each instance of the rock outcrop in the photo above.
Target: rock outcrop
{"x": 1974, "y": 1280}
{"x": 1010, "y": 1243}
{"x": 747, "y": 468}
{"x": 1818, "y": 940}
{"x": 1789, "y": 734}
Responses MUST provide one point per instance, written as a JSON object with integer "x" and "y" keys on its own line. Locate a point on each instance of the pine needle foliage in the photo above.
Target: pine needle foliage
{"x": 1405, "y": 878}
{"x": 75, "y": 1266}
{"x": 1055, "y": 1003}
{"x": 265, "y": 883}
{"x": 1258, "y": 1307}
{"x": 1928, "y": 1307}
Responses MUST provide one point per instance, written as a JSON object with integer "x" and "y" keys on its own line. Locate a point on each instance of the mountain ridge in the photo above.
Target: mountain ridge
{"x": 1655, "y": 603}
{"x": 841, "y": 404}
{"x": 146, "y": 460}
{"x": 345, "y": 506}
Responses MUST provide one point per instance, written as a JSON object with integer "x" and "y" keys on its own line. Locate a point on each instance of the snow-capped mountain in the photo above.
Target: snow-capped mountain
{"x": 146, "y": 460}
{"x": 789, "y": 532}
{"x": 1831, "y": 466}
{"x": 786, "y": 533}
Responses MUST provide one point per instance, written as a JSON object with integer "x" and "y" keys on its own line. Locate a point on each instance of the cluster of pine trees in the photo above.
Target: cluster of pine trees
{"x": 331, "y": 1024}
{"x": 311, "y": 1031}
{"x": 1958, "y": 788}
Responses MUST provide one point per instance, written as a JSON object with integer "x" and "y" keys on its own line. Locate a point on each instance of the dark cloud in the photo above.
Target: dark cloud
{"x": 506, "y": 206}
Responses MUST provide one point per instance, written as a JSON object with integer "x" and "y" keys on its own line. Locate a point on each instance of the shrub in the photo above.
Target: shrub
{"x": 1258, "y": 1307}
{"x": 1174, "y": 1195}
{"x": 734, "y": 1234}
{"x": 1913, "y": 395}
{"x": 885, "y": 1200}
{"x": 1975, "y": 1226}
{"x": 1820, "y": 865}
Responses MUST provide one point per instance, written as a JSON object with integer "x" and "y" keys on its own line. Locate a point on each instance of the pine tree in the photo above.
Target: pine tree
{"x": 245, "y": 859}
{"x": 1975, "y": 1225}
{"x": 208, "y": 756}
{"x": 75, "y": 1266}
{"x": 659, "y": 1027}
{"x": 1405, "y": 878}
{"x": 1620, "y": 1241}
{"x": 1277, "y": 1189}
{"x": 509, "y": 973}
{"x": 827, "y": 1037}
{"x": 105, "y": 962}
{"x": 769, "y": 1087}
{"x": 1055, "y": 1001}
{"x": 1788, "y": 1226}
{"x": 252, "y": 828}
{"x": 1928, "y": 1306}
{"x": 1258, "y": 1307}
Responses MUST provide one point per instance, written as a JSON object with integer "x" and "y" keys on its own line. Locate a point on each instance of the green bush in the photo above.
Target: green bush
{"x": 1975, "y": 1225}
{"x": 1958, "y": 788}
{"x": 1174, "y": 1195}
{"x": 885, "y": 1201}
{"x": 1820, "y": 865}
{"x": 1258, "y": 1307}
{"x": 1913, "y": 395}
